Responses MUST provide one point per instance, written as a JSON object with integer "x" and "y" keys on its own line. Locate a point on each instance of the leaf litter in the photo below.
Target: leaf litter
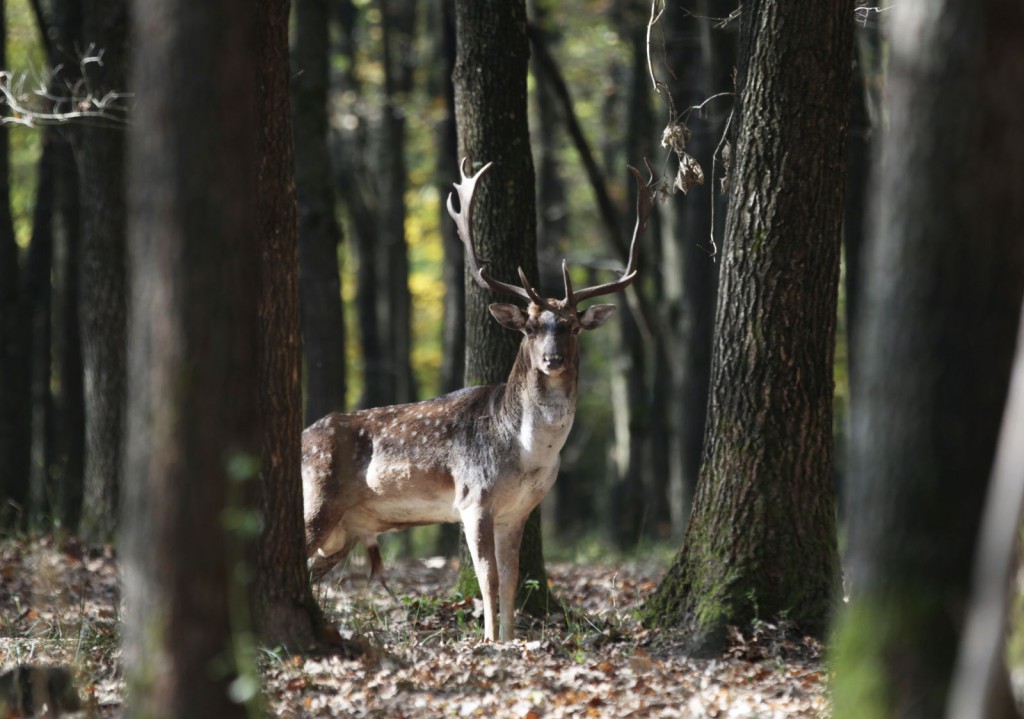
{"x": 59, "y": 605}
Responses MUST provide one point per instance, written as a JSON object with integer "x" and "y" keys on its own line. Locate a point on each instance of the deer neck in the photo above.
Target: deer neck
{"x": 539, "y": 409}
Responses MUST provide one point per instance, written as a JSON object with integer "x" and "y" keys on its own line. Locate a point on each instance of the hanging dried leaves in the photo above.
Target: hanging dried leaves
{"x": 689, "y": 172}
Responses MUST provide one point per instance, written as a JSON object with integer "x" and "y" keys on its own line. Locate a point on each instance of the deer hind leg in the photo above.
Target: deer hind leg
{"x": 479, "y": 526}
{"x": 377, "y": 565}
{"x": 508, "y": 537}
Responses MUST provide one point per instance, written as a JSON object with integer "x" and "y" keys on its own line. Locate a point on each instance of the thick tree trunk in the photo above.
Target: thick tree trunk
{"x": 284, "y": 610}
{"x": 944, "y": 274}
{"x": 102, "y": 289}
{"x": 490, "y": 104}
{"x": 323, "y": 329}
{"x": 762, "y": 538}
{"x": 193, "y": 443}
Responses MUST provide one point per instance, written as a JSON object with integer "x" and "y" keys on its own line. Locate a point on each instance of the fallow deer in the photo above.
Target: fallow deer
{"x": 483, "y": 456}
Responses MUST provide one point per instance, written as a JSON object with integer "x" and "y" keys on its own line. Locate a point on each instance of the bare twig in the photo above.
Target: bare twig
{"x": 713, "y": 251}
{"x": 45, "y": 105}
{"x": 655, "y": 16}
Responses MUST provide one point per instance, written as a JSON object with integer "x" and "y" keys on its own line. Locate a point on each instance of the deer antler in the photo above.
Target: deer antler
{"x": 644, "y": 200}
{"x": 466, "y": 190}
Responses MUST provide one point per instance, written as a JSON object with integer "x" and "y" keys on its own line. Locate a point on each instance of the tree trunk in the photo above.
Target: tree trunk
{"x": 58, "y": 443}
{"x": 702, "y": 60}
{"x": 193, "y": 444}
{"x": 68, "y": 460}
{"x": 395, "y": 319}
{"x": 944, "y": 274}
{"x": 15, "y": 346}
{"x": 284, "y": 610}
{"x": 490, "y": 105}
{"x": 323, "y": 329}
{"x": 768, "y": 456}
{"x": 453, "y": 330}
{"x": 102, "y": 288}
{"x": 38, "y": 297}
{"x": 453, "y": 333}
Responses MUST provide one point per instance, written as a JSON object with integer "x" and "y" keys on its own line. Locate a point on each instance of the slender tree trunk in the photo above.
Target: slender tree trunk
{"x": 453, "y": 334}
{"x": 490, "y": 104}
{"x": 102, "y": 268}
{"x": 395, "y": 320}
{"x": 762, "y": 538}
{"x": 323, "y": 329}
{"x": 68, "y": 460}
{"x": 453, "y": 331}
{"x": 38, "y": 294}
{"x": 15, "y": 346}
{"x": 284, "y": 610}
{"x": 944, "y": 279}
{"x": 193, "y": 444}
{"x": 58, "y": 443}
{"x": 702, "y": 60}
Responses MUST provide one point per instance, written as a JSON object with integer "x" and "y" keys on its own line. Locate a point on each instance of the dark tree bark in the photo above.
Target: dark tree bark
{"x": 453, "y": 333}
{"x": 453, "y": 329}
{"x": 323, "y": 329}
{"x": 490, "y": 106}
{"x": 64, "y": 494}
{"x": 15, "y": 346}
{"x": 395, "y": 319}
{"x": 701, "y": 59}
{"x": 284, "y": 610}
{"x": 38, "y": 299}
{"x": 102, "y": 268}
{"x": 762, "y": 538}
{"x": 354, "y": 181}
{"x": 58, "y": 434}
{"x": 633, "y": 474}
{"x": 944, "y": 278}
{"x": 193, "y": 443}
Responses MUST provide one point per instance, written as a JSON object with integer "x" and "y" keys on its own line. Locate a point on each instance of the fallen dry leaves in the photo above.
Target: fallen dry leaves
{"x": 60, "y": 605}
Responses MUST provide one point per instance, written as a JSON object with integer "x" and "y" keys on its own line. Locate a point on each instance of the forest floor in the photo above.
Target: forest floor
{"x": 59, "y": 605}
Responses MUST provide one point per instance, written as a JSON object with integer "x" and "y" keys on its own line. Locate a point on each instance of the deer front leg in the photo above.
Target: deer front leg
{"x": 508, "y": 537}
{"x": 479, "y": 526}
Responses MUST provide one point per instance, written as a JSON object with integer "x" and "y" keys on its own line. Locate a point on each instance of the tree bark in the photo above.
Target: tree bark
{"x": 102, "y": 268}
{"x": 944, "y": 274}
{"x": 323, "y": 328}
{"x": 490, "y": 106}
{"x": 453, "y": 329}
{"x": 395, "y": 319}
{"x": 762, "y": 538}
{"x": 284, "y": 610}
{"x": 193, "y": 444}
{"x": 15, "y": 346}
{"x": 702, "y": 60}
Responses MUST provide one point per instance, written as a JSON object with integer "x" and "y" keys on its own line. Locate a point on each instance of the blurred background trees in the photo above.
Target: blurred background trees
{"x": 381, "y": 276}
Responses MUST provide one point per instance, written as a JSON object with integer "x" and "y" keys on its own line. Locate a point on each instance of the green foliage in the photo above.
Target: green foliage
{"x": 25, "y": 59}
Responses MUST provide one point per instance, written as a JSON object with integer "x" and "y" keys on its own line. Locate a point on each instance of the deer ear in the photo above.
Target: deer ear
{"x": 595, "y": 316}
{"x": 509, "y": 316}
